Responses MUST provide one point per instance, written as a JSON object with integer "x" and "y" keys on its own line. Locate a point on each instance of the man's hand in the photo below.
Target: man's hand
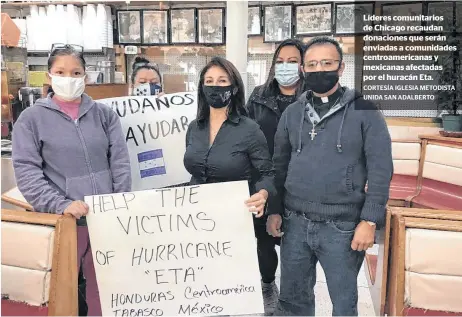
{"x": 364, "y": 236}
{"x": 273, "y": 225}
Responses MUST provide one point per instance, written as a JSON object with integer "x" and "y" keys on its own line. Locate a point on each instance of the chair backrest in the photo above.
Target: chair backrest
{"x": 433, "y": 279}
{"x": 443, "y": 163}
{"x": 39, "y": 262}
{"x": 404, "y": 132}
{"x": 407, "y": 149}
{"x": 424, "y": 270}
{"x": 406, "y": 157}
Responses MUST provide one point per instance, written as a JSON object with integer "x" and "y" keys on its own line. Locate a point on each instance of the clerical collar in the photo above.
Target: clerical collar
{"x": 330, "y": 99}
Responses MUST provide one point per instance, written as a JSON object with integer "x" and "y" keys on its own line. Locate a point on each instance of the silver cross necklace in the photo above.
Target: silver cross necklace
{"x": 313, "y": 132}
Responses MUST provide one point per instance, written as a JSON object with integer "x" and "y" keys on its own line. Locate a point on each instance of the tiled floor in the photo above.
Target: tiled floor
{"x": 323, "y": 303}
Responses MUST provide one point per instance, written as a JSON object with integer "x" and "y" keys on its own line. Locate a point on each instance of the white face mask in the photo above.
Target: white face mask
{"x": 68, "y": 88}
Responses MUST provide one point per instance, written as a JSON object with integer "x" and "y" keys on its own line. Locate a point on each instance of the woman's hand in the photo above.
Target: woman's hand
{"x": 161, "y": 94}
{"x": 256, "y": 203}
{"x": 77, "y": 209}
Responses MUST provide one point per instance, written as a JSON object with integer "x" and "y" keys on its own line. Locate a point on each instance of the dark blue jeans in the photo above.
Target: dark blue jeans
{"x": 303, "y": 244}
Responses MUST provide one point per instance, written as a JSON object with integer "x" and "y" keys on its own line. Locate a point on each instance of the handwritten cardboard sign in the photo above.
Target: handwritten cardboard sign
{"x": 155, "y": 131}
{"x": 177, "y": 251}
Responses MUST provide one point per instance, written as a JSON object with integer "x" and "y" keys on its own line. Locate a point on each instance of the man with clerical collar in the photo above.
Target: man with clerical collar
{"x": 329, "y": 144}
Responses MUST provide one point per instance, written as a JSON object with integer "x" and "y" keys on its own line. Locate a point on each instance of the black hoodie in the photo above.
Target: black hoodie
{"x": 325, "y": 176}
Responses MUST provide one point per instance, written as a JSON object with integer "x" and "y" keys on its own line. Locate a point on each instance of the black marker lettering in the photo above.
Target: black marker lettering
{"x": 192, "y": 192}
{"x": 189, "y": 220}
{"x": 171, "y": 248}
{"x": 132, "y": 103}
{"x": 162, "y": 101}
{"x": 128, "y": 197}
{"x": 180, "y": 196}
{"x": 107, "y": 200}
{"x": 190, "y": 98}
{"x": 143, "y": 218}
{"x": 137, "y": 225}
{"x": 142, "y": 132}
{"x": 177, "y": 102}
{"x": 226, "y": 246}
{"x": 162, "y": 193}
{"x": 137, "y": 256}
{"x": 187, "y": 250}
{"x": 147, "y": 103}
{"x": 158, "y": 275}
{"x": 127, "y": 228}
{"x": 157, "y": 131}
{"x": 184, "y": 122}
{"x": 124, "y": 109}
{"x": 100, "y": 258}
{"x": 175, "y": 126}
{"x": 160, "y": 253}
{"x": 131, "y": 136}
{"x": 158, "y": 221}
{"x": 165, "y": 128}
{"x": 96, "y": 205}
{"x": 203, "y": 216}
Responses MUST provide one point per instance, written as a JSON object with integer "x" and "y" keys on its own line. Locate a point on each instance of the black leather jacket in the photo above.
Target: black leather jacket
{"x": 265, "y": 111}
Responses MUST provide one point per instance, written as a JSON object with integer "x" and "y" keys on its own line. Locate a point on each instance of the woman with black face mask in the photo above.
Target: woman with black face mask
{"x": 222, "y": 144}
{"x": 266, "y": 105}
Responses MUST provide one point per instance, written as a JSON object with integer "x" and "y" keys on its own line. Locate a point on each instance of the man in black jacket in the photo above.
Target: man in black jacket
{"x": 328, "y": 145}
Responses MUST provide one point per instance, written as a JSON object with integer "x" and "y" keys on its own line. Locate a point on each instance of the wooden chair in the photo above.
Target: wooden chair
{"x": 16, "y": 199}
{"x": 421, "y": 273}
{"x": 39, "y": 264}
{"x": 440, "y": 174}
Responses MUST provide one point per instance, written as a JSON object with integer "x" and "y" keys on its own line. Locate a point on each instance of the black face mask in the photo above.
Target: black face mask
{"x": 321, "y": 82}
{"x": 218, "y": 96}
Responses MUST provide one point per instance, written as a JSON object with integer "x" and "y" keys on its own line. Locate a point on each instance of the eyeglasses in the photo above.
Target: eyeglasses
{"x": 61, "y": 46}
{"x": 325, "y": 63}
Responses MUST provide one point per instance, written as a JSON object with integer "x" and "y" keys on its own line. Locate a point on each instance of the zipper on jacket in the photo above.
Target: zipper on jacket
{"x": 87, "y": 157}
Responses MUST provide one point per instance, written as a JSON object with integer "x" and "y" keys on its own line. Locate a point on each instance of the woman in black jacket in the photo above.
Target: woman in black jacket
{"x": 265, "y": 106}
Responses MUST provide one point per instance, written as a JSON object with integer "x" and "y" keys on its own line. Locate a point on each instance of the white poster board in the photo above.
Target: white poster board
{"x": 176, "y": 251}
{"x": 155, "y": 131}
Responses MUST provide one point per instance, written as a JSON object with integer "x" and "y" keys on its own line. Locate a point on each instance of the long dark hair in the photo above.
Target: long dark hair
{"x": 66, "y": 50}
{"x": 142, "y": 63}
{"x": 237, "y": 105}
{"x": 271, "y": 86}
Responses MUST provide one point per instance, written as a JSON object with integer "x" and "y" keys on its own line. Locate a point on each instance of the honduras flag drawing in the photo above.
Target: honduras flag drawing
{"x": 151, "y": 163}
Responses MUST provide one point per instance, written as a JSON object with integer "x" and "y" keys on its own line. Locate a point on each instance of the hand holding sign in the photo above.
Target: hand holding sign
{"x": 257, "y": 203}
{"x": 77, "y": 209}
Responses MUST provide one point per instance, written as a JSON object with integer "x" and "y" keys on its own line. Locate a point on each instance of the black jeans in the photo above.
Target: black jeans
{"x": 266, "y": 251}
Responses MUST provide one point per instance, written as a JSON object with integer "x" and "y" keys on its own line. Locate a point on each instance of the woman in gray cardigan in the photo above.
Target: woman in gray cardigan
{"x": 68, "y": 146}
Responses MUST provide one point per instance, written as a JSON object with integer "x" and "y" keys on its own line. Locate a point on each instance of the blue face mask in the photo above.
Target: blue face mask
{"x": 287, "y": 74}
{"x": 147, "y": 89}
